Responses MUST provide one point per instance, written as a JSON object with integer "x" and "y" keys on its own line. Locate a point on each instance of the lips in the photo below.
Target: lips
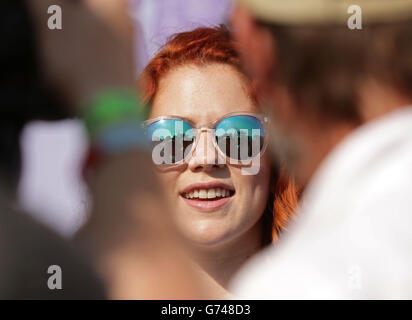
{"x": 203, "y": 193}
{"x": 207, "y": 197}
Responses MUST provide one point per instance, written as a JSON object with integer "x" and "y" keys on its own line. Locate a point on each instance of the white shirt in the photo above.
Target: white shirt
{"x": 353, "y": 236}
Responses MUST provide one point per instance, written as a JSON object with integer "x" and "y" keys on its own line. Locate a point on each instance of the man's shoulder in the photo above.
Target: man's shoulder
{"x": 284, "y": 274}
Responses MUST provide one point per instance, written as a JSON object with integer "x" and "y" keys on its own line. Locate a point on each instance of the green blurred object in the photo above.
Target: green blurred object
{"x": 113, "y": 108}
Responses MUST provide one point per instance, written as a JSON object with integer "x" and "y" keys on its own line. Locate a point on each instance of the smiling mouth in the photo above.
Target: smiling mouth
{"x": 210, "y": 194}
{"x": 208, "y": 198}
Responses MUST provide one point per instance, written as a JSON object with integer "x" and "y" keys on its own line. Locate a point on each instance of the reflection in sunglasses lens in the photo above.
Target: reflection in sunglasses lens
{"x": 171, "y": 140}
{"x": 240, "y": 137}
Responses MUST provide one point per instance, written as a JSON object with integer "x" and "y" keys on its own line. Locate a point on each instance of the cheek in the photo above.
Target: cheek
{"x": 259, "y": 181}
{"x": 168, "y": 183}
{"x": 253, "y": 190}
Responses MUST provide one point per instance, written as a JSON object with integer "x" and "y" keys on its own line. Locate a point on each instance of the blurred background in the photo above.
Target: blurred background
{"x": 51, "y": 187}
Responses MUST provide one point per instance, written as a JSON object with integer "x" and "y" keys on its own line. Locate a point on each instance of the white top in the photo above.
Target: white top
{"x": 353, "y": 235}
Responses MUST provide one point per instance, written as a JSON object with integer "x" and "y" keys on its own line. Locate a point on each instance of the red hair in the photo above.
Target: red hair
{"x": 215, "y": 45}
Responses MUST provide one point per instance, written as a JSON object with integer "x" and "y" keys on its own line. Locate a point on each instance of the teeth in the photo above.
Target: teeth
{"x": 202, "y": 194}
{"x": 207, "y": 193}
{"x": 211, "y": 194}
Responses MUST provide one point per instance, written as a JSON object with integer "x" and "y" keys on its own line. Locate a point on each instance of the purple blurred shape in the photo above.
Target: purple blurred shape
{"x": 157, "y": 20}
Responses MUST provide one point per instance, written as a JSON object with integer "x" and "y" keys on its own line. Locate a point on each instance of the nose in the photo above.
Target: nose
{"x": 205, "y": 157}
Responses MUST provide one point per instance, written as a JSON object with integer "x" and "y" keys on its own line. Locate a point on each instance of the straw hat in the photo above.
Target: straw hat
{"x": 304, "y": 12}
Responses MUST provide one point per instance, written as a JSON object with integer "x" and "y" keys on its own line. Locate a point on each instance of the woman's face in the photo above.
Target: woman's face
{"x": 204, "y": 94}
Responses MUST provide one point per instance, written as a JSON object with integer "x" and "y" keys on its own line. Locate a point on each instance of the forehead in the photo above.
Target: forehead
{"x": 202, "y": 93}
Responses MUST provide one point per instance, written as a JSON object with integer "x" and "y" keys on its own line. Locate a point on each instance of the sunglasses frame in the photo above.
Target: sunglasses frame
{"x": 198, "y": 129}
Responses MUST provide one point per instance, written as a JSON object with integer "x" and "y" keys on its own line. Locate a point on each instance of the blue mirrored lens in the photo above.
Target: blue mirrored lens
{"x": 172, "y": 138}
{"x": 240, "y": 137}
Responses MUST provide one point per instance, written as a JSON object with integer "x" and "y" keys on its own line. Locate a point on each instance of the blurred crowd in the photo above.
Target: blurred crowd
{"x": 252, "y": 149}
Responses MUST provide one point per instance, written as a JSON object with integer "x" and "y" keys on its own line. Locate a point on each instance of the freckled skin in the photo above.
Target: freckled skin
{"x": 204, "y": 94}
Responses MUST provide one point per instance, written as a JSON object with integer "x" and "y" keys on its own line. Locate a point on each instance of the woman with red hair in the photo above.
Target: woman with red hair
{"x": 225, "y": 213}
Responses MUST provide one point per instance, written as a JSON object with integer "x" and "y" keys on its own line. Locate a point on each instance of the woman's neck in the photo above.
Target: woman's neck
{"x": 220, "y": 263}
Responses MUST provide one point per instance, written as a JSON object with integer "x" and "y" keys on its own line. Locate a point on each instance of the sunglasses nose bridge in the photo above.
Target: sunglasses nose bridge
{"x": 205, "y": 152}
{"x": 205, "y": 146}
{"x": 205, "y": 129}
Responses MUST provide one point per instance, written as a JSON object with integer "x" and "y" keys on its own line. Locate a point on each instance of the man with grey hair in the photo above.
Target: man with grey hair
{"x": 341, "y": 104}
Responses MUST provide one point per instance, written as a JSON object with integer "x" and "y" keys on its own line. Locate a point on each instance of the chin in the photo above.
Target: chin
{"x": 208, "y": 236}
